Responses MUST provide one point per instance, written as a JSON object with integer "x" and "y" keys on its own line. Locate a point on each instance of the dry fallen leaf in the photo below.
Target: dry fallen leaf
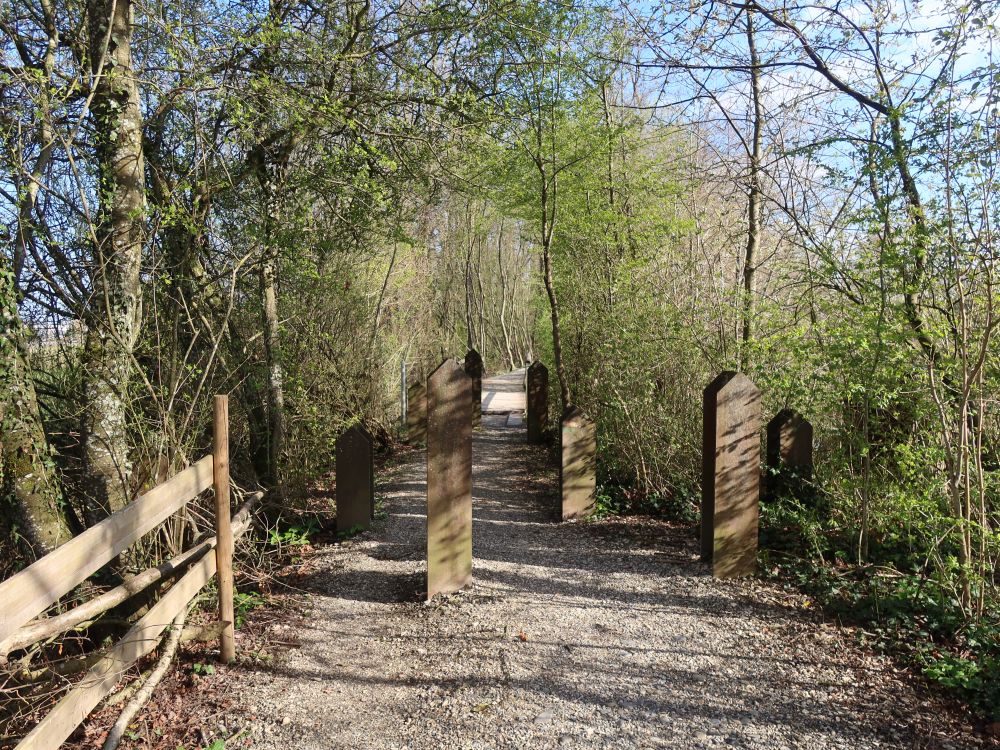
{"x": 522, "y": 635}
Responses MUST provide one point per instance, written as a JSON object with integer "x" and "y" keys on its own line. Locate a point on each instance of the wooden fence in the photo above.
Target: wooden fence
{"x": 30, "y": 592}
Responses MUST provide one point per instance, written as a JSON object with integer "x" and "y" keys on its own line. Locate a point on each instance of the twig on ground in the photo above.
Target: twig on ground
{"x": 142, "y": 696}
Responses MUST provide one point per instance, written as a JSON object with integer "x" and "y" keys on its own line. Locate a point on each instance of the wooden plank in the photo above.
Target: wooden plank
{"x": 223, "y": 530}
{"x": 29, "y": 592}
{"x": 49, "y": 626}
{"x": 101, "y": 679}
{"x": 503, "y": 394}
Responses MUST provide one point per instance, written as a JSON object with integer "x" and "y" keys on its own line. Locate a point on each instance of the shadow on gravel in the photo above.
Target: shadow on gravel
{"x": 588, "y": 574}
{"x": 565, "y": 583}
{"x": 628, "y": 696}
{"x": 367, "y": 586}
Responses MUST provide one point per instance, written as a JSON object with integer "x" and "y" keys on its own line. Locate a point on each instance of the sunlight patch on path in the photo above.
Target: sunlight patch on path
{"x": 504, "y": 393}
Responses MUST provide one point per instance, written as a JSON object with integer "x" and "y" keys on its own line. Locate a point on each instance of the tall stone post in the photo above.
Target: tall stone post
{"x": 789, "y": 454}
{"x": 474, "y": 369}
{"x": 730, "y": 475}
{"x": 355, "y": 480}
{"x": 578, "y": 469}
{"x": 537, "y": 401}
{"x": 449, "y": 480}
{"x": 416, "y": 414}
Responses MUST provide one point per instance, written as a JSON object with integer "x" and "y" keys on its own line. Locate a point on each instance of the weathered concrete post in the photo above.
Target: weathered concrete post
{"x": 355, "y": 481}
{"x": 474, "y": 369}
{"x": 789, "y": 454}
{"x": 537, "y": 398}
{"x": 730, "y": 475}
{"x": 416, "y": 413}
{"x": 449, "y": 480}
{"x": 578, "y": 470}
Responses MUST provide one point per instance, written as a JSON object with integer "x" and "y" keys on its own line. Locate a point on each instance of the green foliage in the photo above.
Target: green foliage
{"x": 294, "y": 535}
{"x": 219, "y": 744}
{"x": 615, "y": 500}
{"x": 381, "y": 513}
{"x": 244, "y": 602}
{"x": 399, "y": 173}
{"x": 353, "y": 531}
{"x": 902, "y": 605}
{"x": 614, "y": 247}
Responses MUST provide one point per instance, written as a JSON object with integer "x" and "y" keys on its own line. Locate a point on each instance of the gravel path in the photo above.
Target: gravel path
{"x": 600, "y": 635}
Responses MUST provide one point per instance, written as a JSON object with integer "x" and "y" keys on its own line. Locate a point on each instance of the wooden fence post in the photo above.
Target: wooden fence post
{"x": 474, "y": 369}
{"x": 223, "y": 529}
{"x": 416, "y": 414}
{"x": 355, "y": 483}
{"x": 789, "y": 455}
{"x": 578, "y": 469}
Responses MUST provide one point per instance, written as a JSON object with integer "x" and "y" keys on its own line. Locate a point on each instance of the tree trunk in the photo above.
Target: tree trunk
{"x": 28, "y": 480}
{"x": 113, "y": 315}
{"x": 504, "y": 331}
{"x": 275, "y": 377}
{"x": 470, "y": 317}
{"x": 753, "y": 197}
{"x": 548, "y": 218}
{"x": 27, "y": 476}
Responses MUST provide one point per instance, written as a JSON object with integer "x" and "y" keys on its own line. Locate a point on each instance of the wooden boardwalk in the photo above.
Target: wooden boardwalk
{"x": 504, "y": 394}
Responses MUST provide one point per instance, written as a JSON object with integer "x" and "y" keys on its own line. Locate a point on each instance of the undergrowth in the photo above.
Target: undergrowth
{"x": 616, "y": 500}
{"x": 901, "y": 604}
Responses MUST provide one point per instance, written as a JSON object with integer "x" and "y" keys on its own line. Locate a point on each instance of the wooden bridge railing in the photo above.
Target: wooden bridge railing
{"x": 31, "y": 591}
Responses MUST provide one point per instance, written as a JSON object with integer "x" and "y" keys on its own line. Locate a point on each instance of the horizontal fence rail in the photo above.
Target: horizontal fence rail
{"x": 31, "y": 591}
{"x": 28, "y": 593}
{"x": 101, "y": 679}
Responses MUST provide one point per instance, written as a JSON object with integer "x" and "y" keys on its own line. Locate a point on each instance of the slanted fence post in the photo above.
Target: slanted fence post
{"x": 730, "y": 475}
{"x": 223, "y": 528}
